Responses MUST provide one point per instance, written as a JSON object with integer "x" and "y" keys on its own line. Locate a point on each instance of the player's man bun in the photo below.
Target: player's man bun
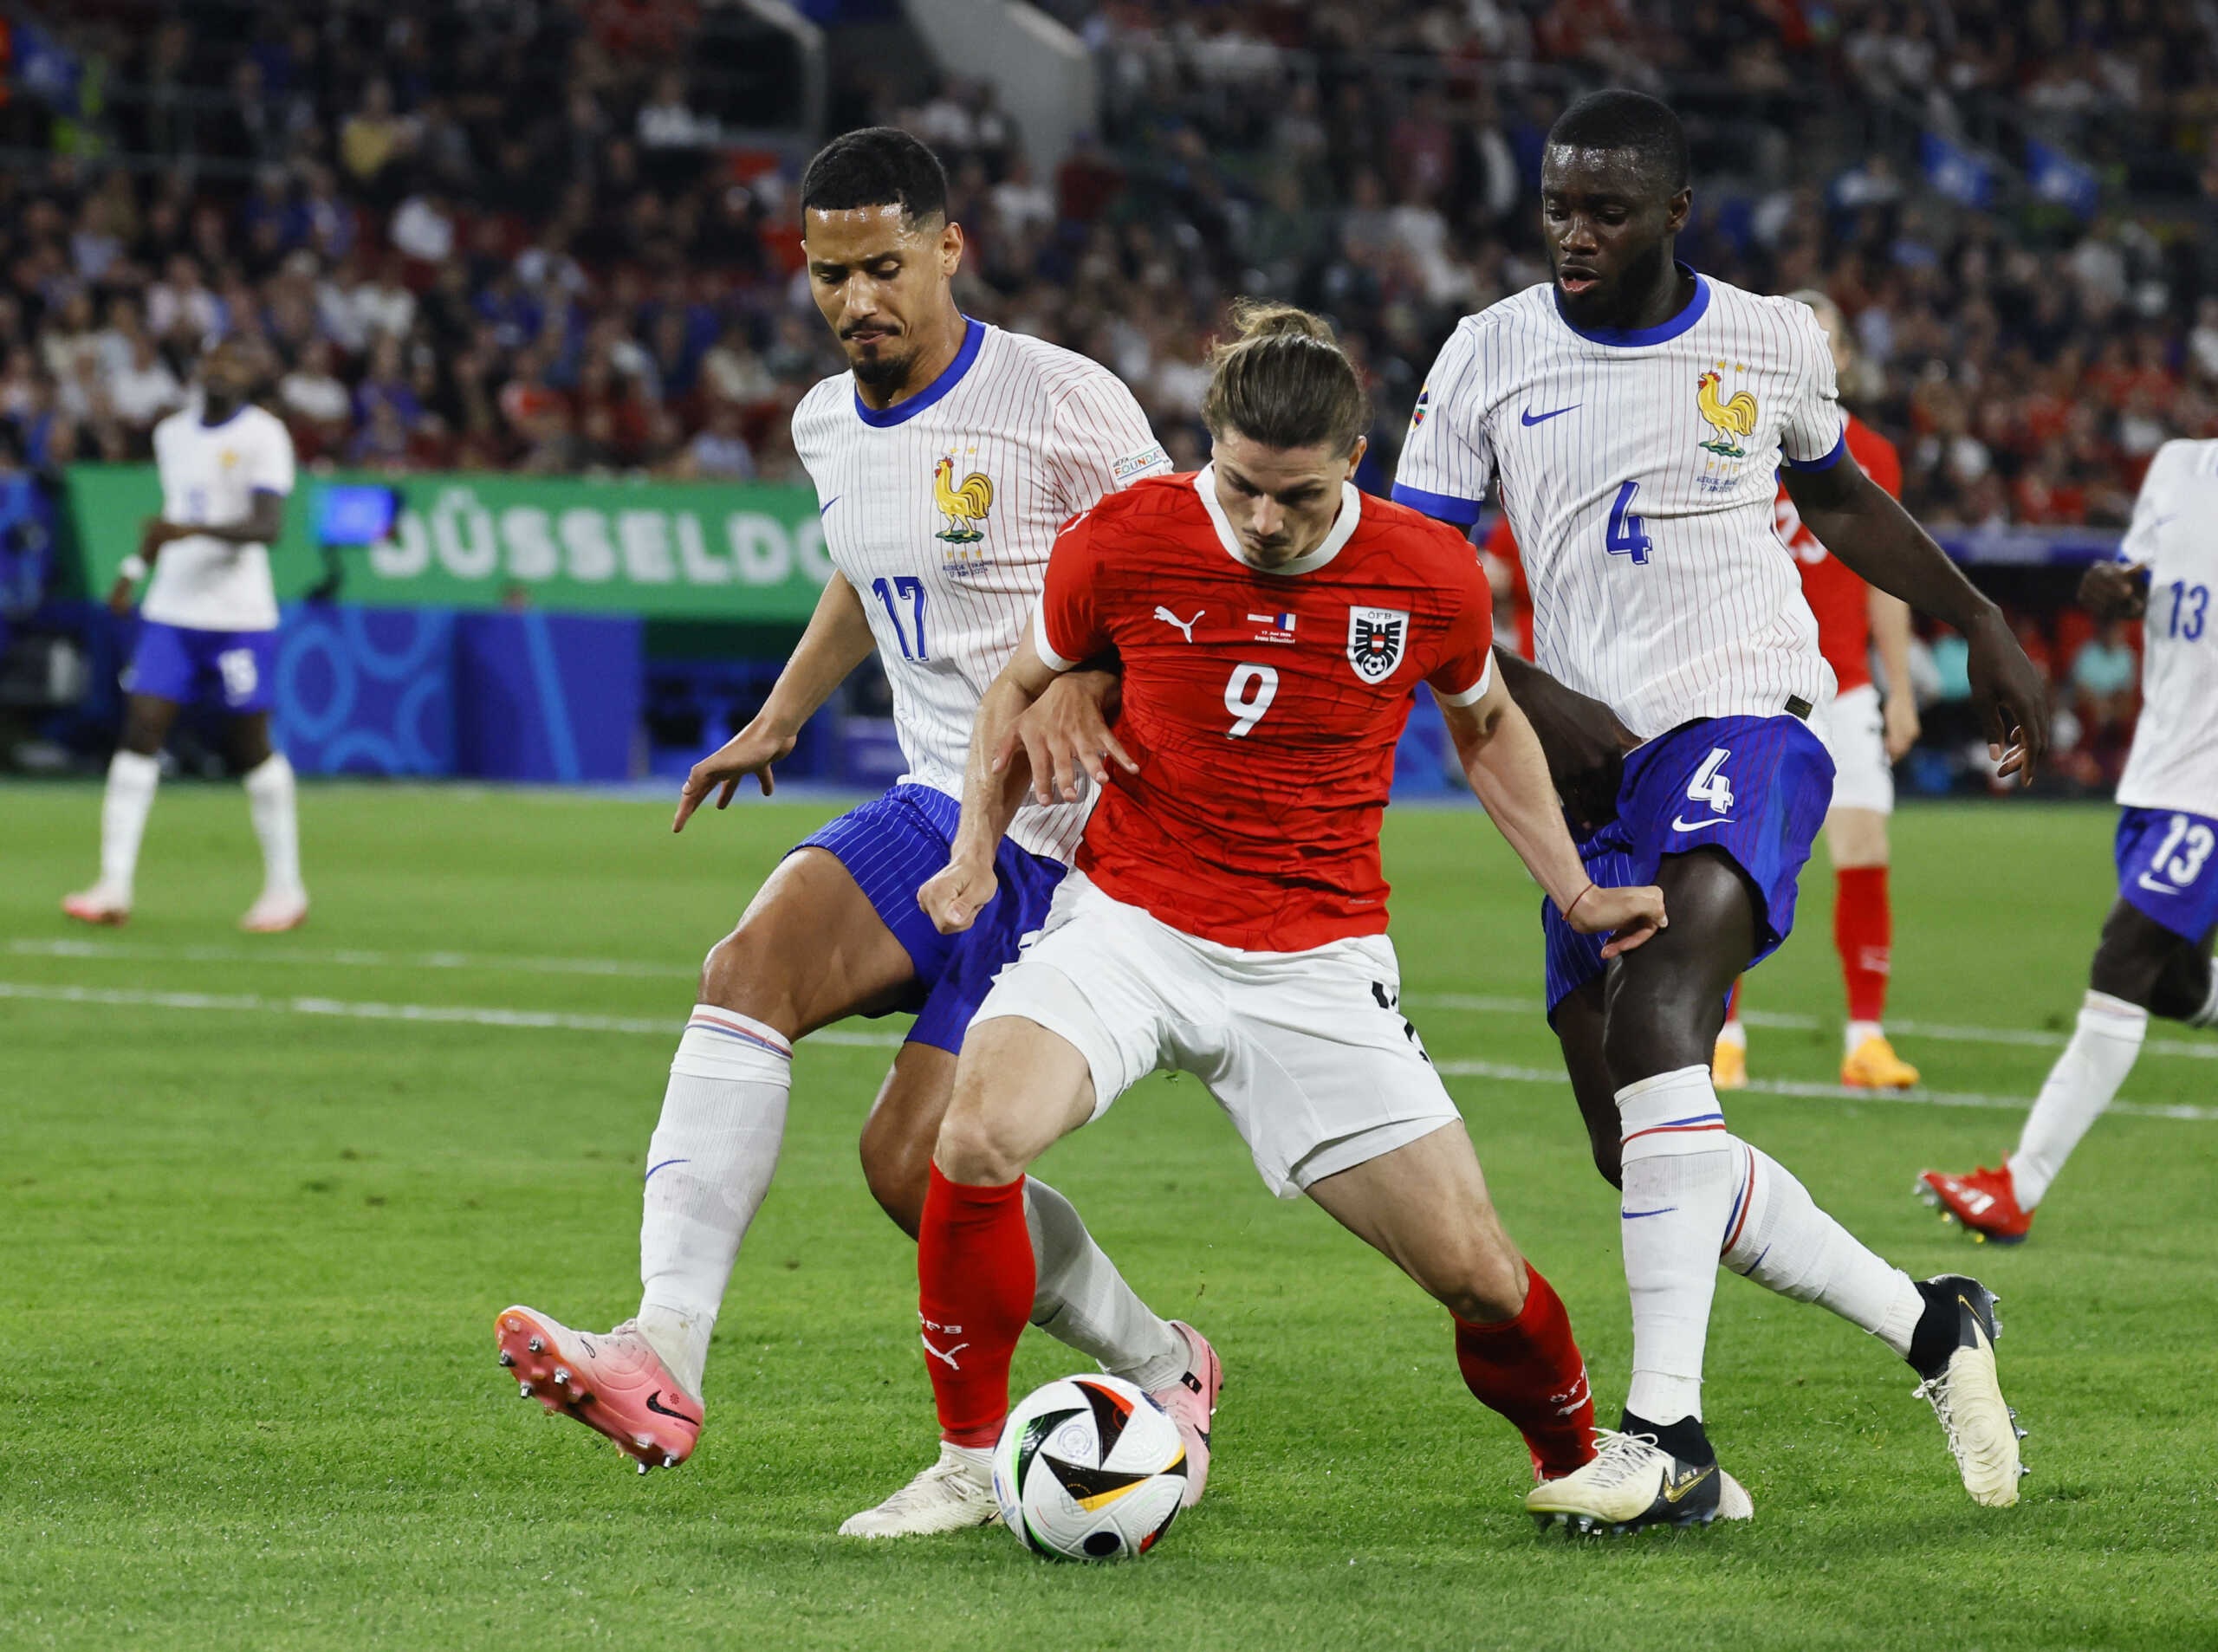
{"x": 1620, "y": 119}
{"x": 876, "y": 166}
{"x": 1284, "y": 381}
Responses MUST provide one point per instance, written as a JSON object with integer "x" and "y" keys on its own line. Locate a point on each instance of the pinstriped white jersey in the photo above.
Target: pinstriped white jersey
{"x": 942, "y": 510}
{"x": 2174, "y": 764}
{"x": 1638, "y": 470}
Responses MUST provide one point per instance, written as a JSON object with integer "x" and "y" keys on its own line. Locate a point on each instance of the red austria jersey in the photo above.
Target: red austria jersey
{"x": 1838, "y": 596}
{"x": 1261, "y": 708}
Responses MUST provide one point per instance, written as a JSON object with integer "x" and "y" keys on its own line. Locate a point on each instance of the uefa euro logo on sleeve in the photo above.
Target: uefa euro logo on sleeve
{"x": 1375, "y": 637}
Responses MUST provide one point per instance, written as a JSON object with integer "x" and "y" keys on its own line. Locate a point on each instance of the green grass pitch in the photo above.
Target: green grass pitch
{"x": 256, "y": 1229}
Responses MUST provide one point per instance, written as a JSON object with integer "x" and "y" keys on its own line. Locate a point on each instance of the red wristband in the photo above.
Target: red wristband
{"x": 1575, "y": 900}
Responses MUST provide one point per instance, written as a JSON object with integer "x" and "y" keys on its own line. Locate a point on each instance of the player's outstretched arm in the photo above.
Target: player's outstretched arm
{"x": 1854, "y": 518}
{"x": 838, "y": 639}
{"x": 994, "y": 784}
{"x": 1502, "y": 759}
{"x": 1581, "y": 739}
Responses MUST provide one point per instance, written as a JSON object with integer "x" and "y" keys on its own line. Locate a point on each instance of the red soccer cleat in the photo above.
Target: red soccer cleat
{"x": 612, "y": 1382}
{"x": 1984, "y": 1202}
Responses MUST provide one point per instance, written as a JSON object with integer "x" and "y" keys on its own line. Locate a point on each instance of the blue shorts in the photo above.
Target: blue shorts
{"x": 891, "y": 845}
{"x": 1756, "y": 787}
{"x": 238, "y": 669}
{"x": 2166, "y": 868}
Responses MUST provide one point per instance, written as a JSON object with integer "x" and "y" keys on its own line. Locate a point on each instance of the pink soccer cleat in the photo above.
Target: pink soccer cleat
{"x": 98, "y": 905}
{"x": 273, "y": 914}
{"x": 613, "y": 1383}
{"x": 1191, "y": 1402}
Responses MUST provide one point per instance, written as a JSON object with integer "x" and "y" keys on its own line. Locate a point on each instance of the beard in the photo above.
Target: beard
{"x": 882, "y": 369}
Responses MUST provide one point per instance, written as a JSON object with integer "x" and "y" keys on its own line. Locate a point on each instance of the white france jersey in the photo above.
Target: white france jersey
{"x": 2174, "y": 764}
{"x": 210, "y": 474}
{"x": 941, "y": 512}
{"x": 1638, "y": 470}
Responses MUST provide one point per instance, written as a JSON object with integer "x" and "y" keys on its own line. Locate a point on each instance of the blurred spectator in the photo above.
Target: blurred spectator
{"x": 146, "y": 390}
{"x": 718, "y": 453}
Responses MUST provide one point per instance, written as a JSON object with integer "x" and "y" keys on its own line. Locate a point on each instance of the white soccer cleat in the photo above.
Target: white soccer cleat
{"x": 953, "y": 1494}
{"x": 1191, "y": 1402}
{"x": 99, "y": 904}
{"x": 276, "y": 913}
{"x": 1966, "y": 1393}
{"x": 1633, "y": 1482}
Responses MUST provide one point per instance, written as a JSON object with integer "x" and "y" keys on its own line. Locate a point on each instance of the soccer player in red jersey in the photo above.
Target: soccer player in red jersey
{"x": 1227, "y": 916}
{"x": 1866, "y": 735}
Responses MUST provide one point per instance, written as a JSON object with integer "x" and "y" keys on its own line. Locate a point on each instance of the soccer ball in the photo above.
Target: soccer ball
{"x": 1089, "y": 1468}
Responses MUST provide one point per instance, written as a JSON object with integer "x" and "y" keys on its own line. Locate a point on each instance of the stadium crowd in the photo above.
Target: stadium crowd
{"x": 511, "y": 236}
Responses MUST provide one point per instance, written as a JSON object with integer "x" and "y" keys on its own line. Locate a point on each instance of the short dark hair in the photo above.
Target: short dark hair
{"x": 1625, "y": 120}
{"x": 876, "y": 166}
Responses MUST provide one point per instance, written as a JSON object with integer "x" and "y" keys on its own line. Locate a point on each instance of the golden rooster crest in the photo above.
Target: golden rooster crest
{"x": 964, "y": 504}
{"x": 1730, "y": 419}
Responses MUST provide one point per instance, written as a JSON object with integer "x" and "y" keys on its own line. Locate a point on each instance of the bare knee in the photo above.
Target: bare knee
{"x": 898, "y": 1137}
{"x": 739, "y": 975}
{"x": 1486, "y": 1285}
{"x": 978, "y": 1150}
{"x": 1607, "y": 1149}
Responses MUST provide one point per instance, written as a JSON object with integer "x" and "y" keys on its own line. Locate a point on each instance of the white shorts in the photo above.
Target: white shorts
{"x": 1856, "y": 733}
{"x": 1307, "y": 1051}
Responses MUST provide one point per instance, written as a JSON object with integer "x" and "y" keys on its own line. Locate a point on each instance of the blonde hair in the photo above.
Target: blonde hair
{"x": 1283, "y": 380}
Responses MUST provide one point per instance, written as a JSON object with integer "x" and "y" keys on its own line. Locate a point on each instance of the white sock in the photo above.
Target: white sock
{"x": 1856, "y": 1032}
{"x": 1678, "y": 1174}
{"x": 1778, "y": 1237}
{"x": 1734, "y": 1034}
{"x": 708, "y": 1168}
{"x": 1082, "y": 1300}
{"x": 124, "y": 809}
{"x": 2208, "y": 1015}
{"x": 269, "y": 799}
{"x": 2081, "y": 1084}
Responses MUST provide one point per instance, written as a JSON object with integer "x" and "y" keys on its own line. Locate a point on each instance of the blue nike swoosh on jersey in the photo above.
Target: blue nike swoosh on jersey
{"x": 1678, "y": 824}
{"x": 829, "y": 504}
{"x": 1531, "y": 418}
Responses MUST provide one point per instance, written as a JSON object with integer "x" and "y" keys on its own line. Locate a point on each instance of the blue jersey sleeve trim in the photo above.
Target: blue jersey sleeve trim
{"x": 974, "y": 335}
{"x": 1626, "y": 338}
{"x": 1444, "y": 506}
{"x": 1830, "y": 459}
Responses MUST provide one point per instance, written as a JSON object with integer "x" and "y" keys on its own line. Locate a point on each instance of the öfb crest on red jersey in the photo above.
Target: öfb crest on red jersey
{"x": 1375, "y": 639}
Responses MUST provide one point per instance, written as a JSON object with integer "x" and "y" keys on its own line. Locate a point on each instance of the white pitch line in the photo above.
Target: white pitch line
{"x": 477, "y": 1015}
{"x": 1501, "y": 1074}
{"x": 461, "y": 1014}
{"x": 352, "y": 958}
{"x": 1947, "y": 1033}
{"x": 1484, "y": 1004}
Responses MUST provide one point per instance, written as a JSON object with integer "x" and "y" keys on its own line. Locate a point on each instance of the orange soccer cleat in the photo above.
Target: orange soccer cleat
{"x": 1873, "y": 1065}
{"x": 1984, "y": 1202}
{"x": 614, "y": 1382}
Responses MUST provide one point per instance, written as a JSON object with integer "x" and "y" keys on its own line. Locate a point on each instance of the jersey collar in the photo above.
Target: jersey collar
{"x": 1342, "y": 530}
{"x": 974, "y": 335}
{"x": 1626, "y": 338}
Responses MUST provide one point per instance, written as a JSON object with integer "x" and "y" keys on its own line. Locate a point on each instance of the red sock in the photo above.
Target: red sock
{"x": 1529, "y": 1368}
{"x": 1732, "y": 1006}
{"x": 1863, "y": 933}
{"x": 975, "y": 1280}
